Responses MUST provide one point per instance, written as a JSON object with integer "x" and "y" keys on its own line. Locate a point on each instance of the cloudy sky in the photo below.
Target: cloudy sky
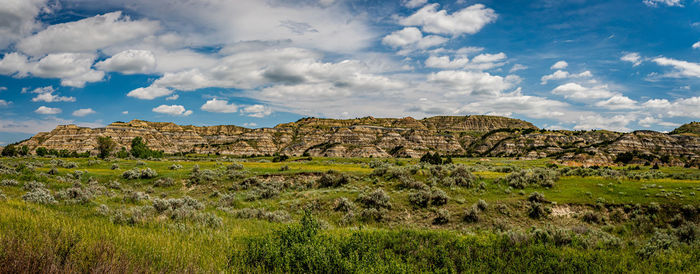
{"x": 618, "y": 65}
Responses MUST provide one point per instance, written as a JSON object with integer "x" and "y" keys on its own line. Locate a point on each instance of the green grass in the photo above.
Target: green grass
{"x": 76, "y": 237}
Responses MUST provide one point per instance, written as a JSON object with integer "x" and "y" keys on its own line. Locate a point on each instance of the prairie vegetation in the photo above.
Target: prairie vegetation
{"x": 279, "y": 214}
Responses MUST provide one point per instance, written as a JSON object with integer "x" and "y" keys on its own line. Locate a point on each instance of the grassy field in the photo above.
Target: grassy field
{"x": 217, "y": 214}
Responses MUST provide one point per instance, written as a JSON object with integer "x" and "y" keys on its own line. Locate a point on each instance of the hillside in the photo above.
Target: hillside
{"x": 474, "y": 135}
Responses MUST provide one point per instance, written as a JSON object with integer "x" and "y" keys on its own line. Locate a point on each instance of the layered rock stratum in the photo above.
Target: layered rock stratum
{"x": 474, "y": 135}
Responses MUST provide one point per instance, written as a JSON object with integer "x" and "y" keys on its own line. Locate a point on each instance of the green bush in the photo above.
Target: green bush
{"x": 39, "y": 196}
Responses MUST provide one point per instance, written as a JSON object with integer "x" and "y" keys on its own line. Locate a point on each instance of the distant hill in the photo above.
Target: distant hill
{"x": 474, "y": 135}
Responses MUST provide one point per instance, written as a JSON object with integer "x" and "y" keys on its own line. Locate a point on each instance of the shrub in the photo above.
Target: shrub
{"x": 410, "y": 183}
{"x": 9, "y": 182}
{"x": 687, "y": 233}
{"x": 175, "y": 167}
{"x": 53, "y": 171}
{"x": 524, "y": 178}
{"x": 39, "y": 196}
{"x": 438, "y": 197}
{"x": 443, "y": 217}
{"x": 372, "y": 214}
{"x": 75, "y": 195}
{"x": 2, "y": 196}
{"x": 592, "y": 217}
{"x": 659, "y": 242}
{"x": 344, "y": 205}
{"x": 148, "y": 173}
{"x": 29, "y": 186}
{"x": 472, "y": 215}
{"x": 198, "y": 177}
{"x": 135, "y": 196}
{"x": 103, "y": 210}
{"x": 333, "y": 179}
{"x": 135, "y": 173}
{"x": 115, "y": 166}
{"x": 463, "y": 177}
{"x": 482, "y": 205}
{"x": 420, "y": 198}
{"x": 164, "y": 182}
{"x": 278, "y": 216}
{"x": 377, "y": 199}
{"x": 537, "y": 210}
{"x": 689, "y": 211}
{"x": 536, "y": 197}
{"x": 653, "y": 208}
{"x": 234, "y": 166}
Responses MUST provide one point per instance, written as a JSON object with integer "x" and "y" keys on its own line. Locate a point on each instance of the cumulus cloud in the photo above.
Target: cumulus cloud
{"x": 18, "y": 19}
{"x": 87, "y": 35}
{"x": 597, "y": 121}
{"x": 472, "y": 82}
{"x": 517, "y": 67}
{"x": 618, "y": 102}
{"x": 683, "y": 107}
{"x": 174, "y": 110}
{"x": 651, "y": 121}
{"x": 47, "y": 110}
{"x": 577, "y": 92}
{"x": 696, "y": 45}
{"x": 411, "y": 38}
{"x": 129, "y": 62}
{"x": 561, "y": 74}
{"x": 469, "y": 20}
{"x": 560, "y": 65}
{"x": 149, "y": 93}
{"x": 83, "y": 112}
{"x": 220, "y": 106}
{"x": 445, "y": 62}
{"x": 633, "y": 58}
{"x": 172, "y": 97}
{"x": 656, "y": 3}
{"x": 74, "y": 69}
{"x": 4, "y": 103}
{"x": 257, "y": 110}
{"x": 414, "y": 3}
{"x": 480, "y": 62}
{"x": 50, "y": 98}
{"x": 683, "y": 68}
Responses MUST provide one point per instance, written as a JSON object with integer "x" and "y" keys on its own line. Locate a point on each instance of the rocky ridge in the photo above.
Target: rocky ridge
{"x": 474, "y": 135}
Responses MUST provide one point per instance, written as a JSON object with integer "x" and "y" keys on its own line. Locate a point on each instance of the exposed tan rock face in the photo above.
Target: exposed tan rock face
{"x": 381, "y": 137}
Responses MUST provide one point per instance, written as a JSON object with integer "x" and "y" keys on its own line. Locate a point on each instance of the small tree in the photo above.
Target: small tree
{"x": 42, "y": 151}
{"x": 10, "y": 150}
{"x": 105, "y": 145}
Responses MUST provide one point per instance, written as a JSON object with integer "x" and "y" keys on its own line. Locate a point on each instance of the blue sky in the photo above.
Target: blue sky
{"x": 618, "y": 65}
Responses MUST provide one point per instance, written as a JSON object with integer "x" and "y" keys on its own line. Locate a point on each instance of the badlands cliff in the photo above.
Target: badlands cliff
{"x": 474, "y": 135}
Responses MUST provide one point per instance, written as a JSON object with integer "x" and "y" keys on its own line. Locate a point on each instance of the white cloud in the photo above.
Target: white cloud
{"x": 445, "y": 62}
{"x": 683, "y": 107}
{"x": 4, "y": 103}
{"x": 561, "y": 74}
{"x": 172, "y": 97}
{"x": 149, "y": 93}
{"x": 651, "y": 121}
{"x": 87, "y": 35}
{"x": 656, "y": 3}
{"x": 47, "y": 110}
{"x": 597, "y": 121}
{"x": 50, "y": 97}
{"x": 696, "y": 45}
{"x": 414, "y": 3}
{"x": 18, "y": 19}
{"x": 683, "y": 68}
{"x": 469, "y": 20}
{"x": 258, "y": 111}
{"x": 578, "y": 92}
{"x": 250, "y": 124}
{"x": 175, "y": 110}
{"x": 129, "y": 62}
{"x": 83, "y": 112}
{"x": 471, "y": 82}
{"x": 633, "y": 58}
{"x": 560, "y": 65}
{"x": 517, "y": 67}
{"x": 125, "y": 112}
{"x": 411, "y": 38}
{"x": 618, "y": 102}
{"x": 74, "y": 69}
{"x": 220, "y": 106}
